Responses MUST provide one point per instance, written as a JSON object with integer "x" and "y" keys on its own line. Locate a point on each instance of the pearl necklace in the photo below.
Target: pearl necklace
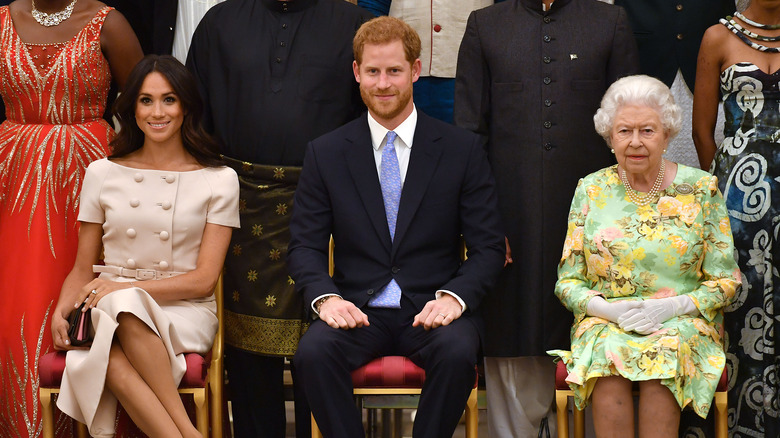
{"x": 54, "y": 19}
{"x": 649, "y": 196}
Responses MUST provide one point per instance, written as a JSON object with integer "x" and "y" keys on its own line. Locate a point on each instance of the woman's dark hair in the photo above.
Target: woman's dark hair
{"x": 203, "y": 147}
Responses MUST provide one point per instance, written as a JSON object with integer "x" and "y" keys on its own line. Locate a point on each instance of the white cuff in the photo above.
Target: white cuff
{"x": 460, "y": 301}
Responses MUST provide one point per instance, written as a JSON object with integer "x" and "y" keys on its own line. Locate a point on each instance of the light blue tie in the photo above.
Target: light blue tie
{"x": 390, "y": 180}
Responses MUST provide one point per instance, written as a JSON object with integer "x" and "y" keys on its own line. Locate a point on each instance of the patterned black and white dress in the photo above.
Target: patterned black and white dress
{"x": 747, "y": 165}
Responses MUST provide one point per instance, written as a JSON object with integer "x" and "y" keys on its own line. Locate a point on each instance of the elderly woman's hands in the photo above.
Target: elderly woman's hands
{"x": 651, "y": 315}
{"x": 611, "y": 311}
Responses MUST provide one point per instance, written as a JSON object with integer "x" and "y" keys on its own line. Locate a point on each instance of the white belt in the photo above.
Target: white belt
{"x": 138, "y": 274}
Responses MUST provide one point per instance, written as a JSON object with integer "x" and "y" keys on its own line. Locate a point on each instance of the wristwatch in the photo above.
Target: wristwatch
{"x": 318, "y": 303}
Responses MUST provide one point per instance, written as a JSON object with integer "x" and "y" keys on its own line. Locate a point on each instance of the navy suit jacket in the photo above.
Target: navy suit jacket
{"x": 448, "y": 192}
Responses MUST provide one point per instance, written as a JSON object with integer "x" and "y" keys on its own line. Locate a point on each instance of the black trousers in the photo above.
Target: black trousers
{"x": 326, "y": 357}
{"x": 257, "y": 395}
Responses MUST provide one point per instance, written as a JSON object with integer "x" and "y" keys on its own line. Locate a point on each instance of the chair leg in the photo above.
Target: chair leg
{"x": 315, "y": 430}
{"x": 562, "y": 413}
{"x": 579, "y": 423}
{"x": 472, "y": 415}
{"x": 81, "y": 430}
{"x": 215, "y": 403}
{"x": 47, "y": 413}
{"x": 721, "y": 415}
{"x": 201, "y": 412}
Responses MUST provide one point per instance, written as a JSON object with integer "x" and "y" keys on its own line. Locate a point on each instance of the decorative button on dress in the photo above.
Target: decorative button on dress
{"x": 679, "y": 245}
{"x": 55, "y": 97}
{"x": 139, "y": 232}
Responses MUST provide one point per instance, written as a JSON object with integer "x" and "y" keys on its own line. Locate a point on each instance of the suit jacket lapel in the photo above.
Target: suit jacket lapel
{"x": 424, "y": 158}
{"x": 359, "y": 156}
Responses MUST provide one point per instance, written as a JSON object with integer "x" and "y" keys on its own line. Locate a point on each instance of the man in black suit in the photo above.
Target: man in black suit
{"x": 399, "y": 287}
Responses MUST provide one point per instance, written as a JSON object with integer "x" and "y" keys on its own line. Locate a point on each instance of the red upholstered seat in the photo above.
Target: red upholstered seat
{"x": 561, "y": 373}
{"x": 52, "y": 365}
{"x": 389, "y": 371}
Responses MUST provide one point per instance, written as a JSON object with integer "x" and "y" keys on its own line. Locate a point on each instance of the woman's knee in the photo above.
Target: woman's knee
{"x": 130, "y": 326}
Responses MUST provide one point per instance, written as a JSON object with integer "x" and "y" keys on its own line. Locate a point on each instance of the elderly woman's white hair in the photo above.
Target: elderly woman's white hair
{"x": 640, "y": 90}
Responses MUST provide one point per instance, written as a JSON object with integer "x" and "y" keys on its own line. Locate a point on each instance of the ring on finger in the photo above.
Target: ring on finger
{"x": 94, "y": 292}
{"x": 442, "y": 315}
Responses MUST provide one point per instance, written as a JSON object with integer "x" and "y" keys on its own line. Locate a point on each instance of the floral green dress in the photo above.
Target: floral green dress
{"x": 679, "y": 245}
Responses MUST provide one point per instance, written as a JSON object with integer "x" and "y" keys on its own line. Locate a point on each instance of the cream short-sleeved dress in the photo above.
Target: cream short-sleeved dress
{"x": 152, "y": 220}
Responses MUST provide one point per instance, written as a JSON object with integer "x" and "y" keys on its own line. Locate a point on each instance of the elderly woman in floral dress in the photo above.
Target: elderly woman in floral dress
{"x": 647, "y": 267}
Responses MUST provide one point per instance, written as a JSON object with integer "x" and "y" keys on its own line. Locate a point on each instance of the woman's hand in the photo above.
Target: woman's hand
{"x": 97, "y": 289}
{"x": 611, "y": 311}
{"x": 651, "y": 316}
{"x": 59, "y": 331}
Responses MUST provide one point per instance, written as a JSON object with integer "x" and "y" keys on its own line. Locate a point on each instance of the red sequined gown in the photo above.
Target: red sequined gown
{"x": 55, "y": 96}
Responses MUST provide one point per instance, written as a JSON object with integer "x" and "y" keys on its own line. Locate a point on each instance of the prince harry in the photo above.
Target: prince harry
{"x": 399, "y": 192}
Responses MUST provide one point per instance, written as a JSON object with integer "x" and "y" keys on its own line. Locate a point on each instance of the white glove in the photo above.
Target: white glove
{"x": 651, "y": 315}
{"x": 611, "y": 311}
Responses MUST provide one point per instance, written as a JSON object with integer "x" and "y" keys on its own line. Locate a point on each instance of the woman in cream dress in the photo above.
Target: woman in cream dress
{"x": 161, "y": 209}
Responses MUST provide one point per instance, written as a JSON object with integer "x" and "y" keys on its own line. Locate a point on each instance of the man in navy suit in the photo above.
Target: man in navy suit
{"x": 399, "y": 286}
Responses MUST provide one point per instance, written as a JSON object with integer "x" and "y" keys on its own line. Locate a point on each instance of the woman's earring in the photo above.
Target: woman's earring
{"x": 612, "y": 150}
{"x": 664, "y": 150}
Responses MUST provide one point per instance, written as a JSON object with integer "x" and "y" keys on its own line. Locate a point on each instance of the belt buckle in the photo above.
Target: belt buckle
{"x": 145, "y": 274}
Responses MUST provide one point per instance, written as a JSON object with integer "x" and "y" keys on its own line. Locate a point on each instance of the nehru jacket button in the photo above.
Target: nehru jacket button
{"x": 370, "y": 292}
{"x": 131, "y": 232}
{"x": 163, "y": 264}
{"x": 283, "y": 44}
{"x": 170, "y": 178}
{"x": 680, "y": 36}
{"x": 284, "y": 26}
{"x": 437, "y": 28}
{"x": 547, "y": 80}
{"x": 138, "y": 177}
{"x": 548, "y": 146}
{"x": 164, "y": 235}
{"x": 130, "y": 263}
{"x": 547, "y": 102}
{"x": 166, "y": 205}
{"x": 547, "y": 19}
{"x": 547, "y": 38}
{"x": 395, "y": 269}
{"x": 679, "y": 7}
{"x": 135, "y": 202}
{"x": 278, "y": 60}
{"x": 546, "y": 59}
{"x": 548, "y": 124}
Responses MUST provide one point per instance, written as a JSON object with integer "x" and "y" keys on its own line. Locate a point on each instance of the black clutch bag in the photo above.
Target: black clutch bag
{"x": 80, "y": 326}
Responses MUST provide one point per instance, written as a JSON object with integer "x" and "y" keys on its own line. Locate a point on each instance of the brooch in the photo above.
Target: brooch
{"x": 684, "y": 189}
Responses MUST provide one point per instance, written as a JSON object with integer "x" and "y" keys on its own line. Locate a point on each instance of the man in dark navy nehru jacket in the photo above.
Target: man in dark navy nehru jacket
{"x": 274, "y": 75}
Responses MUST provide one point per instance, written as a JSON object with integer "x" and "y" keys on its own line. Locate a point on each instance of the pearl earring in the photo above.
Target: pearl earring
{"x": 612, "y": 150}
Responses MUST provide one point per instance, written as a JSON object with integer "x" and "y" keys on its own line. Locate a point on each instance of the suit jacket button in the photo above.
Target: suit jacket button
{"x": 395, "y": 269}
{"x": 370, "y": 292}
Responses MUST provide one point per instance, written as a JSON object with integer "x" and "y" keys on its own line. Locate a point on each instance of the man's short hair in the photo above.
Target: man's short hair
{"x": 385, "y": 30}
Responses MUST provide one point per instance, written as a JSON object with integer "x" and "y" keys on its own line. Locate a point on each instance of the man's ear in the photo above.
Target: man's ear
{"x": 356, "y": 71}
{"x": 416, "y": 69}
